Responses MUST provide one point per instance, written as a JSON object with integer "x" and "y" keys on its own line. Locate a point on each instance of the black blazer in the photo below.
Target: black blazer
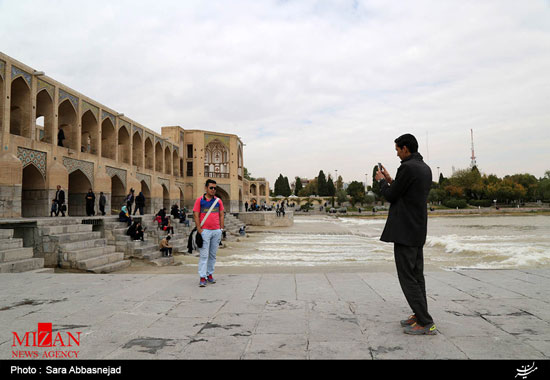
{"x": 60, "y": 196}
{"x": 407, "y": 221}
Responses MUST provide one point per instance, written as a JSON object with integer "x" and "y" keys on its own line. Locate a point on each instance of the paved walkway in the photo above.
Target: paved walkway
{"x": 501, "y": 314}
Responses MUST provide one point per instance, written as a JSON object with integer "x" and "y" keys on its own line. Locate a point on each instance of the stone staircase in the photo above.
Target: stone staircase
{"x": 79, "y": 247}
{"x": 15, "y": 258}
{"x": 232, "y": 226}
{"x": 148, "y": 250}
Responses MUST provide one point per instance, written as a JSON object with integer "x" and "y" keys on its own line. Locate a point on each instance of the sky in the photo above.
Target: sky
{"x": 311, "y": 85}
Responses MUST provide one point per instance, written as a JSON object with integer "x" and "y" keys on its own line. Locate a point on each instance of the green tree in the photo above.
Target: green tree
{"x": 470, "y": 181}
{"x": 279, "y": 185}
{"x": 341, "y": 196}
{"x": 309, "y": 189}
{"x": 286, "y": 187}
{"x": 356, "y": 191}
{"x": 297, "y": 186}
{"x": 331, "y": 189}
{"x": 436, "y": 195}
{"x": 322, "y": 184}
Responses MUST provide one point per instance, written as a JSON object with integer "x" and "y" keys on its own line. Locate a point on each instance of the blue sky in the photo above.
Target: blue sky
{"x": 310, "y": 85}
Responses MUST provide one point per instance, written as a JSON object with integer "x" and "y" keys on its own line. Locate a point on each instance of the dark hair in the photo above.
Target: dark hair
{"x": 209, "y": 181}
{"x": 409, "y": 141}
{"x": 168, "y": 237}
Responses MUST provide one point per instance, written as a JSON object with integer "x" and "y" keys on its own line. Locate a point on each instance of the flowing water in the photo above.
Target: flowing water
{"x": 481, "y": 242}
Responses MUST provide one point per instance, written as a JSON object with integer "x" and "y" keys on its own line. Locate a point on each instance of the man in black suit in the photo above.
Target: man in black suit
{"x": 407, "y": 226}
{"x": 60, "y": 200}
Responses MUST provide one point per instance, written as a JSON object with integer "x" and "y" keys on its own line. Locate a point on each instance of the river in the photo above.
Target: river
{"x": 453, "y": 242}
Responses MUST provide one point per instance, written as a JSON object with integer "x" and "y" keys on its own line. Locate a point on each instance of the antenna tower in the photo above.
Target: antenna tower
{"x": 473, "y": 162}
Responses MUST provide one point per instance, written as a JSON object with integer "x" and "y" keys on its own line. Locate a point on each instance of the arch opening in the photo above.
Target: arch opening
{"x": 79, "y": 185}
{"x": 137, "y": 150}
{"x": 20, "y": 108}
{"x": 44, "y": 117}
{"x": 149, "y": 155}
{"x": 90, "y": 133}
{"x": 34, "y": 195}
{"x": 158, "y": 158}
{"x": 67, "y": 126}
{"x": 123, "y": 145}
{"x": 108, "y": 139}
{"x": 118, "y": 195}
{"x": 148, "y": 209}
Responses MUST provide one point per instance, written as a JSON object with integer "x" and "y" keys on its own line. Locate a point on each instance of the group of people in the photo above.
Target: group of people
{"x": 139, "y": 202}
{"x": 58, "y": 203}
{"x": 90, "y": 203}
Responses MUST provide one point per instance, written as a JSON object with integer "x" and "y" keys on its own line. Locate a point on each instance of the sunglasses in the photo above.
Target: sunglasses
{"x": 212, "y": 188}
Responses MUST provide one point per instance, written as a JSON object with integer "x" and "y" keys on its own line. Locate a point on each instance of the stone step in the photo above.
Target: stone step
{"x": 66, "y": 229}
{"x": 142, "y": 250}
{"x": 90, "y": 264}
{"x": 16, "y": 254}
{"x": 113, "y": 267}
{"x": 76, "y": 236}
{"x": 6, "y": 234}
{"x": 22, "y": 265}
{"x": 58, "y": 221}
{"x": 88, "y": 253}
{"x": 163, "y": 261}
{"x": 7, "y": 244}
{"x": 79, "y": 245}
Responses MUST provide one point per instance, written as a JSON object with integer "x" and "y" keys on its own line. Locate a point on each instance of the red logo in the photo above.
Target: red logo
{"x": 44, "y": 336}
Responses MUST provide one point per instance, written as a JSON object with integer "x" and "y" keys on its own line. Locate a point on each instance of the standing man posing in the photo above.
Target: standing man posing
{"x": 407, "y": 226}
{"x": 210, "y": 230}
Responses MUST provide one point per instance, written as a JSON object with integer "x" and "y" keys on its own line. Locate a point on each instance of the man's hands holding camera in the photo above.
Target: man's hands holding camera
{"x": 383, "y": 175}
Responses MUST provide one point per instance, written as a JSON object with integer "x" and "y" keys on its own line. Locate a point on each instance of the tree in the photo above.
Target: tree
{"x": 310, "y": 189}
{"x": 470, "y": 181}
{"x": 286, "y": 187}
{"x": 322, "y": 184}
{"x": 297, "y": 186}
{"x": 279, "y": 186}
{"x": 436, "y": 195}
{"x": 331, "y": 190}
{"x": 341, "y": 196}
{"x": 356, "y": 191}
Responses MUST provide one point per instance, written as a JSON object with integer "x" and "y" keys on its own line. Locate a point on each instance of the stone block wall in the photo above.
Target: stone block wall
{"x": 267, "y": 218}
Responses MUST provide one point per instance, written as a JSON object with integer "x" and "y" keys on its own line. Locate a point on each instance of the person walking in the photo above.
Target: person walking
{"x": 140, "y": 203}
{"x": 60, "y": 200}
{"x": 406, "y": 226}
{"x": 130, "y": 201}
{"x": 102, "y": 203}
{"x": 90, "y": 203}
{"x": 209, "y": 219}
{"x": 53, "y": 209}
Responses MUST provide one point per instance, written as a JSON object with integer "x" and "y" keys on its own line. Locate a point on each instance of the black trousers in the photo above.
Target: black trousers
{"x": 410, "y": 271}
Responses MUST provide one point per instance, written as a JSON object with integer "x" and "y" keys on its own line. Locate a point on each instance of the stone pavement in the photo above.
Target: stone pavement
{"x": 498, "y": 314}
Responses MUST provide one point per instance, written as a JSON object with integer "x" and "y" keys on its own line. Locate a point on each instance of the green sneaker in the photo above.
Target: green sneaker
{"x": 416, "y": 329}
{"x": 408, "y": 322}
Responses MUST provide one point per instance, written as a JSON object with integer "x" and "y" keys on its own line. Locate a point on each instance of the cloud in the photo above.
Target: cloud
{"x": 310, "y": 85}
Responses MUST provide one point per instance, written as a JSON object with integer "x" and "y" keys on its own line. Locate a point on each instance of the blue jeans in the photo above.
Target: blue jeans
{"x": 207, "y": 259}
